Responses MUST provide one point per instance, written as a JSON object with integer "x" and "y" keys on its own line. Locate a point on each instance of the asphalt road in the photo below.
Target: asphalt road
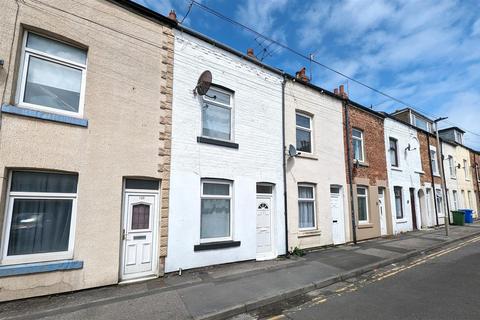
{"x": 442, "y": 285}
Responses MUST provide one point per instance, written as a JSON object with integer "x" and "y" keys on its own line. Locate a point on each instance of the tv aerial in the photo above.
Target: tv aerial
{"x": 203, "y": 84}
{"x": 292, "y": 151}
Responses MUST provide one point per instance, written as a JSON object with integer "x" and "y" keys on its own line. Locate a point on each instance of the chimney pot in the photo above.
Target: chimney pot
{"x": 342, "y": 89}
{"x": 173, "y": 15}
{"x": 250, "y": 52}
{"x": 335, "y": 91}
{"x": 301, "y": 75}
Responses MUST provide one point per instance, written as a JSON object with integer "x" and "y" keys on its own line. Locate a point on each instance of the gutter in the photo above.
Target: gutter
{"x": 350, "y": 168}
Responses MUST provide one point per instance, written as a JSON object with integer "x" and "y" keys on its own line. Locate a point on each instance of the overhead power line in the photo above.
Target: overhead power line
{"x": 311, "y": 59}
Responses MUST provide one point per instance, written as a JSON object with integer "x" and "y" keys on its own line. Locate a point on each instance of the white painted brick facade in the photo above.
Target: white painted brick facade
{"x": 407, "y": 175}
{"x": 257, "y": 128}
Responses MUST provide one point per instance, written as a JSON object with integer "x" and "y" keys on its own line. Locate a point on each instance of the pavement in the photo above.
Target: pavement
{"x": 441, "y": 285}
{"x": 225, "y": 291}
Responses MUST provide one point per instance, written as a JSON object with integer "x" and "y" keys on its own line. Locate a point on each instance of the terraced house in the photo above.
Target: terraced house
{"x": 317, "y": 196}
{"x": 367, "y": 177}
{"x": 459, "y": 171}
{"x": 429, "y": 206}
{"x": 227, "y": 186}
{"x": 85, "y": 144}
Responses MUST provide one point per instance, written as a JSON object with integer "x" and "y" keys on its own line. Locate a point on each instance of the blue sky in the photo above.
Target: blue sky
{"x": 426, "y": 53}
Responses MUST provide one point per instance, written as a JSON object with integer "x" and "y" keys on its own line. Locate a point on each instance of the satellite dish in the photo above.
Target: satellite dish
{"x": 413, "y": 144}
{"x": 204, "y": 83}
{"x": 292, "y": 151}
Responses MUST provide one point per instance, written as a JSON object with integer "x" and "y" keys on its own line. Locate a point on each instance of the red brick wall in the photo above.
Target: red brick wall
{"x": 475, "y": 159}
{"x": 374, "y": 144}
{"x": 426, "y": 165}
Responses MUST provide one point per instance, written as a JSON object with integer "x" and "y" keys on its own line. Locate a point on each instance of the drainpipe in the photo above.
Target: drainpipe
{"x": 284, "y": 150}
{"x": 433, "y": 180}
{"x": 350, "y": 168}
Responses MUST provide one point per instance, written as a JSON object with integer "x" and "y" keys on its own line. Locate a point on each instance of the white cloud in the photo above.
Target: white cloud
{"x": 260, "y": 15}
{"x": 476, "y": 28}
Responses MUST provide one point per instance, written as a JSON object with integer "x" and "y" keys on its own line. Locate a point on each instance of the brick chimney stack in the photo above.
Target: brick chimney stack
{"x": 251, "y": 53}
{"x": 341, "y": 92}
{"x": 301, "y": 75}
{"x": 173, "y": 15}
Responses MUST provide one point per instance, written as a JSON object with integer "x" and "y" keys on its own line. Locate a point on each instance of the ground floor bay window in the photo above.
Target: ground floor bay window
{"x": 40, "y": 217}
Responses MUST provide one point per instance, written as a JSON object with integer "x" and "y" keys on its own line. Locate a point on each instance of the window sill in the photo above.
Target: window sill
{"x": 310, "y": 156}
{"x": 24, "y": 112}
{"x": 396, "y": 169}
{"x": 420, "y": 171}
{"x": 40, "y": 267}
{"x": 401, "y": 221}
{"x": 309, "y": 233}
{"x": 360, "y": 164}
{"x": 364, "y": 225}
{"x": 216, "y": 245}
{"x": 216, "y": 142}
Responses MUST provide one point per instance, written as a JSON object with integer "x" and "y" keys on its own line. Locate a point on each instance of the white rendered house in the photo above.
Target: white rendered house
{"x": 404, "y": 169}
{"x": 227, "y": 190}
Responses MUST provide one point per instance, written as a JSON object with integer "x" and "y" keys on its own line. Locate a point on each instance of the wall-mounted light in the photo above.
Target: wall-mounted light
{"x": 2, "y": 62}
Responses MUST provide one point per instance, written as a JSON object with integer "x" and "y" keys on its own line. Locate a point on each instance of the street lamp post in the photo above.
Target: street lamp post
{"x": 442, "y": 176}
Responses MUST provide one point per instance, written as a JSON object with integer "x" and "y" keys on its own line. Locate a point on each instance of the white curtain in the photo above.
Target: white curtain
{"x": 215, "y": 218}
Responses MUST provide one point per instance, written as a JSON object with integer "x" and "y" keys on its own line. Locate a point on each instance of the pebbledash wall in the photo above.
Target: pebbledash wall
{"x": 320, "y": 169}
{"x": 404, "y": 176}
{"x": 253, "y": 154}
{"x": 124, "y": 132}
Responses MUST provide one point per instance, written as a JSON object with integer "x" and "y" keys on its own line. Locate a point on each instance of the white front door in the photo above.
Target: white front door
{"x": 264, "y": 227}
{"x": 381, "y": 209}
{"x": 338, "y": 216}
{"x": 139, "y": 236}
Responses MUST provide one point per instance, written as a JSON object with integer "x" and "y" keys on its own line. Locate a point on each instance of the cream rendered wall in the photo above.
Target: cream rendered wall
{"x": 257, "y": 128}
{"x": 127, "y": 109}
{"x": 406, "y": 175}
{"x": 451, "y": 181}
{"x": 324, "y": 167}
{"x": 465, "y": 183}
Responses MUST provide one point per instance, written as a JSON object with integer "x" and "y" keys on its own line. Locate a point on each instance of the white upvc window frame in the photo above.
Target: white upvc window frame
{"x": 394, "y": 151}
{"x": 208, "y": 100}
{"x": 22, "y": 79}
{"x": 301, "y": 128}
{"x": 466, "y": 170}
{"x": 455, "y": 199}
{"x": 362, "y": 142}
{"x": 367, "y": 220}
{"x": 312, "y": 200}
{"x": 415, "y": 118}
{"x": 434, "y": 159}
{"x": 439, "y": 200}
{"x": 214, "y": 197}
{"x": 452, "y": 167}
{"x": 402, "y": 207}
{"x": 36, "y": 257}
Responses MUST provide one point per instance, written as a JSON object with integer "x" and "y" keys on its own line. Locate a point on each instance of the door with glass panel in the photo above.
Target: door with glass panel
{"x": 264, "y": 221}
{"x": 139, "y": 235}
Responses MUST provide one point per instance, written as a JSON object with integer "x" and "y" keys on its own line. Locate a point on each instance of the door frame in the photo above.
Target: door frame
{"x": 341, "y": 201}
{"x": 273, "y": 253}
{"x": 155, "y": 230}
{"x": 413, "y": 208}
{"x": 384, "y": 205}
